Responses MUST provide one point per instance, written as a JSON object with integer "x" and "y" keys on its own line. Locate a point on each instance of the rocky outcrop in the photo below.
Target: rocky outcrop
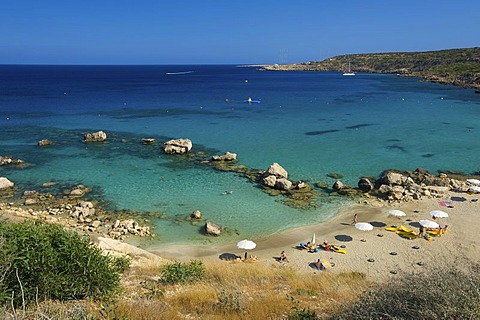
{"x": 227, "y": 157}
{"x": 5, "y": 183}
{"x": 277, "y": 170}
{"x": 405, "y": 186}
{"x": 7, "y": 160}
{"x": 213, "y": 229}
{"x": 177, "y": 146}
{"x": 44, "y": 142}
{"x": 276, "y": 177}
{"x": 98, "y": 136}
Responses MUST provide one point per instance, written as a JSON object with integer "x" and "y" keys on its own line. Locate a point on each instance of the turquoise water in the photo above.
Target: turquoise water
{"x": 310, "y": 123}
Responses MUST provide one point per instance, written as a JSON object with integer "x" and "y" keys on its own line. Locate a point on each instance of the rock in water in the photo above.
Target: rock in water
{"x": 177, "y": 146}
{"x": 98, "y": 136}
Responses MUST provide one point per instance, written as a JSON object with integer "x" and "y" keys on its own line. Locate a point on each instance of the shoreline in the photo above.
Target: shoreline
{"x": 392, "y": 254}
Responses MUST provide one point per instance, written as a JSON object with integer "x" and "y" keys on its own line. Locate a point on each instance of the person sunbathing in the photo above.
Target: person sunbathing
{"x": 283, "y": 257}
{"x": 319, "y": 265}
{"x": 326, "y": 245}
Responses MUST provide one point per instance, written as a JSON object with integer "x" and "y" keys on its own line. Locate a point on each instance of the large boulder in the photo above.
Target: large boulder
{"x": 213, "y": 229}
{"x": 283, "y": 184}
{"x": 44, "y": 142}
{"x": 270, "y": 181}
{"x": 277, "y": 170}
{"x": 5, "y": 183}
{"x": 98, "y": 136}
{"x": 392, "y": 178}
{"x": 365, "y": 185}
{"x": 177, "y": 146}
{"x": 197, "y": 215}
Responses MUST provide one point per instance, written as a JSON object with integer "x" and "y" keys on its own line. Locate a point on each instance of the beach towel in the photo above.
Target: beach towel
{"x": 445, "y": 203}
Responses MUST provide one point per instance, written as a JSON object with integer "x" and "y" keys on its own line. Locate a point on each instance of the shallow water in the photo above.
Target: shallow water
{"x": 311, "y": 123}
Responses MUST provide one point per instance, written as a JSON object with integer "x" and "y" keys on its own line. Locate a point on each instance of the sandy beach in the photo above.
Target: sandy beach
{"x": 378, "y": 253}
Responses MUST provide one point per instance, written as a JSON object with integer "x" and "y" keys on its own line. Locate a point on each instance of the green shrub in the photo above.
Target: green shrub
{"x": 178, "y": 272}
{"x": 444, "y": 294}
{"x": 47, "y": 262}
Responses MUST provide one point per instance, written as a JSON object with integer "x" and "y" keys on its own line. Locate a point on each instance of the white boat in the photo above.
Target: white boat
{"x": 349, "y": 72}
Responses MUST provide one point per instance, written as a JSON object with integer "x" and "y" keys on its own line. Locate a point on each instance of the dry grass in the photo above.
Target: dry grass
{"x": 236, "y": 291}
{"x": 228, "y": 291}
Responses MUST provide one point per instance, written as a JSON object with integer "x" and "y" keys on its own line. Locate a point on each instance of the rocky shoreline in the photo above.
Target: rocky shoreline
{"x": 70, "y": 210}
{"x": 458, "y": 67}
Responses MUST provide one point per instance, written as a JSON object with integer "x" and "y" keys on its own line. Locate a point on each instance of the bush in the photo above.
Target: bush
{"x": 46, "y": 262}
{"x": 178, "y": 272}
{"x": 448, "y": 294}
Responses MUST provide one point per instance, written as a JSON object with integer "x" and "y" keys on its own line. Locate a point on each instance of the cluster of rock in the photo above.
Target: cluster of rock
{"x": 276, "y": 177}
{"x": 177, "y": 146}
{"x": 227, "y": 157}
{"x": 7, "y": 160}
{"x": 210, "y": 228}
{"x": 98, "y": 136}
{"x": 80, "y": 216}
{"x": 404, "y": 186}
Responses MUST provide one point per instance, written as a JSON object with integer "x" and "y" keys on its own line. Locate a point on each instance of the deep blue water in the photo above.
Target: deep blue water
{"x": 310, "y": 123}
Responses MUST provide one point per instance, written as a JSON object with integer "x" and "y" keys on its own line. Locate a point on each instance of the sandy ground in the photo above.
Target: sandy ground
{"x": 391, "y": 253}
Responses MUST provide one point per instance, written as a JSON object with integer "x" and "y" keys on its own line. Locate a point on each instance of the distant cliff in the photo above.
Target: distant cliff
{"x": 460, "y": 67}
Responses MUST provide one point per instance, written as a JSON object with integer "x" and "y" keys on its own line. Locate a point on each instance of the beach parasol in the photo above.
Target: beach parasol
{"x": 438, "y": 214}
{"x": 313, "y": 239}
{"x": 474, "y": 181}
{"x": 429, "y": 224}
{"x": 247, "y": 245}
{"x": 474, "y": 189}
{"x": 396, "y": 213}
{"x": 364, "y": 226}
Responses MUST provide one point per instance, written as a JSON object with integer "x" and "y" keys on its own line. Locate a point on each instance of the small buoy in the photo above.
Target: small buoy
{"x": 246, "y": 80}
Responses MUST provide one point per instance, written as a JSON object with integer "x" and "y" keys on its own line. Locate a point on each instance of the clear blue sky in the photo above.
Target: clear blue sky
{"x": 227, "y": 31}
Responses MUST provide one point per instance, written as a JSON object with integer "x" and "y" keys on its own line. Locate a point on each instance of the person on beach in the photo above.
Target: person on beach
{"x": 421, "y": 233}
{"x": 355, "y": 218}
{"x": 319, "y": 265}
{"x": 283, "y": 257}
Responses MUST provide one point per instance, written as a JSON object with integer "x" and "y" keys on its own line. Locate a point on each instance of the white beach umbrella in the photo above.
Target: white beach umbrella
{"x": 438, "y": 214}
{"x": 474, "y": 189}
{"x": 396, "y": 213}
{"x": 246, "y": 244}
{"x": 428, "y": 224}
{"x": 364, "y": 226}
{"x": 474, "y": 181}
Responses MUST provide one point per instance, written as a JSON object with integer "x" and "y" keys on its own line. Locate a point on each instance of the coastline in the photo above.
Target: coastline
{"x": 392, "y": 254}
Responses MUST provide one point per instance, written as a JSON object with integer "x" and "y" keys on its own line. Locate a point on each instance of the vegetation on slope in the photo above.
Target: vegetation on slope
{"x": 43, "y": 261}
{"x": 459, "y": 67}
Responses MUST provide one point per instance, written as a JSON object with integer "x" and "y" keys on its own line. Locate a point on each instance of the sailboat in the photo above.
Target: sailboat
{"x": 349, "y": 72}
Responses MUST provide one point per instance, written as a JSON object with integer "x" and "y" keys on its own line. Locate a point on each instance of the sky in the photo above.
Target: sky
{"x": 228, "y": 31}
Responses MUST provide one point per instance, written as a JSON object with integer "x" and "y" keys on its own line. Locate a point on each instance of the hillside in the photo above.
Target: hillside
{"x": 460, "y": 67}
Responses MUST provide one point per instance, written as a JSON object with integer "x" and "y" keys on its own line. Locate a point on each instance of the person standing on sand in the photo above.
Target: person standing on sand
{"x": 355, "y": 218}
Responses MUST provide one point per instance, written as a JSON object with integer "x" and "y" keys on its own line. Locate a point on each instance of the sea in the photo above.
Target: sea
{"x": 311, "y": 123}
